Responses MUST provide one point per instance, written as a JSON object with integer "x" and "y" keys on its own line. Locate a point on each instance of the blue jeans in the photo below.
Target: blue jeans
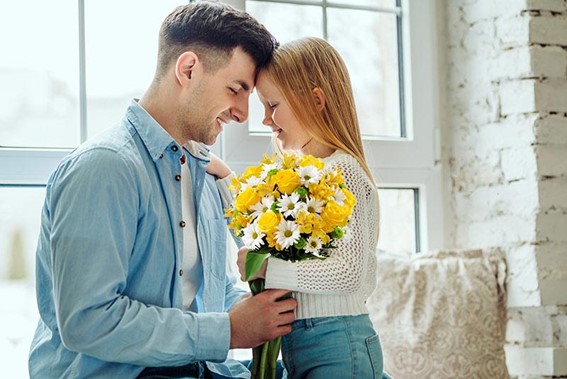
{"x": 333, "y": 347}
{"x": 195, "y": 370}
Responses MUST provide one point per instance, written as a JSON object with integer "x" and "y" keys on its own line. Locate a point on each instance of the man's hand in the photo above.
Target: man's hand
{"x": 261, "y": 318}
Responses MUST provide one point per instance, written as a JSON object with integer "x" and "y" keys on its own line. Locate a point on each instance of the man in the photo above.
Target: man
{"x": 132, "y": 225}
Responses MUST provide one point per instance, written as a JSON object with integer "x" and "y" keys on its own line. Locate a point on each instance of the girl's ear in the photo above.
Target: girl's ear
{"x": 185, "y": 66}
{"x": 319, "y": 98}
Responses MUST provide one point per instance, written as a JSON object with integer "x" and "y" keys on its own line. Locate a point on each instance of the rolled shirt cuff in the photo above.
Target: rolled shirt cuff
{"x": 213, "y": 337}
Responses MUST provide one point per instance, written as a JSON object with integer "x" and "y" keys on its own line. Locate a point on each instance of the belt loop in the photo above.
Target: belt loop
{"x": 308, "y": 323}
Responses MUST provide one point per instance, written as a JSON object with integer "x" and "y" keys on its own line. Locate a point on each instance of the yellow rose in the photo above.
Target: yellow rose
{"x": 334, "y": 215}
{"x": 268, "y": 221}
{"x": 310, "y": 160}
{"x": 287, "y": 180}
{"x": 246, "y": 199}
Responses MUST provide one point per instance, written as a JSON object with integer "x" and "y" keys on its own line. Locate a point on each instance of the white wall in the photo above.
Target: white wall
{"x": 504, "y": 120}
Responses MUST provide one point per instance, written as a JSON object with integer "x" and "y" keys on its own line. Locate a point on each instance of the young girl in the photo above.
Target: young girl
{"x": 309, "y": 105}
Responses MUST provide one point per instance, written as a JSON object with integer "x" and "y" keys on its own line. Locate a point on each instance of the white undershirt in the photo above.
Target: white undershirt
{"x": 192, "y": 264}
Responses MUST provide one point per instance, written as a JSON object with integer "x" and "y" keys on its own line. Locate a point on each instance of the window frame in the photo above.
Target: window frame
{"x": 410, "y": 162}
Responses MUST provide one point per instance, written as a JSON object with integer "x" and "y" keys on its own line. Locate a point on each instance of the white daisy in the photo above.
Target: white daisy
{"x": 290, "y": 204}
{"x": 287, "y": 234}
{"x": 263, "y": 206}
{"x": 267, "y": 168}
{"x": 339, "y": 196}
{"x": 309, "y": 175}
{"x": 253, "y": 181}
{"x": 253, "y": 237}
{"x": 314, "y": 245}
{"x": 313, "y": 205}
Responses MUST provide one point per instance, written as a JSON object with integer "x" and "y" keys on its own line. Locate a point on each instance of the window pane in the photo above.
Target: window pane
{"x": 286, "y": 22}
{"x": 20, "y": 210}
{"x": 39, "y": 73}
{"x": 369, "y": 47}
{"x": 121, "y": 55}
{"x": 398, "y": 220}
{"x": 373, "y": 3}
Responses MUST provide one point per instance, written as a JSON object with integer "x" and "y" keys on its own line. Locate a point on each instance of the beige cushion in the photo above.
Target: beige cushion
{"x": 441, "y": 314}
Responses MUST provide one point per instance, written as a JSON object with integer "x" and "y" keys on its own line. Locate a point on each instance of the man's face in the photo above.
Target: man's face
{"x": 218, "y": 98}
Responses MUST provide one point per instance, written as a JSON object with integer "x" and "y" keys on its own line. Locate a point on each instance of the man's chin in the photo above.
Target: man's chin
{"x": 211, "y": 140}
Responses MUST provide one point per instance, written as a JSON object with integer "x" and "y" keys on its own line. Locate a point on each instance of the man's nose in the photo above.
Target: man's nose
{"x": 239, "y": 113}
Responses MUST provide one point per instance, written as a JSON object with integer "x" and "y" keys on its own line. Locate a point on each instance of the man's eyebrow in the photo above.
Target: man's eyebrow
{"x": 243, "y": 84}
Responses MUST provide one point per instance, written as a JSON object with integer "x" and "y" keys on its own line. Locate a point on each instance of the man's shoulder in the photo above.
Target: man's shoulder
{"x": 110, "y": 152}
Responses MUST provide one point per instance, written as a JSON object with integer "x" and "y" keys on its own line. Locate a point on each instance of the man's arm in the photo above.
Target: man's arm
{"x": 95, "y": 212}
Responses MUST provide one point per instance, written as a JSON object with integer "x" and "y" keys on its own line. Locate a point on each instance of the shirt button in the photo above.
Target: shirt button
{"x": 182, "y": 224}
{"x": 180, "y": 272}
{"x": 178, "y": 177}
{"x": 174, "y": 148}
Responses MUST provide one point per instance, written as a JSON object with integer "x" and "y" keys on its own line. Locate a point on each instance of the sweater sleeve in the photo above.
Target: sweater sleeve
{"x": 345, "y": 269}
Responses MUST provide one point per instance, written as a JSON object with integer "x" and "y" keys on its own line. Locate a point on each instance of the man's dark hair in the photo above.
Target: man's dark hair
{"x": 212, "y": 30}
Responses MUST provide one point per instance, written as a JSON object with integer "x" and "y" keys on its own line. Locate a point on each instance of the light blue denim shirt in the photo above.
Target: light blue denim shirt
{"x": 109, "y": 260}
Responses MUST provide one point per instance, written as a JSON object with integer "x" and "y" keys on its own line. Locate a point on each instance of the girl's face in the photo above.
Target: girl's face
{"x": 278, "y": 115}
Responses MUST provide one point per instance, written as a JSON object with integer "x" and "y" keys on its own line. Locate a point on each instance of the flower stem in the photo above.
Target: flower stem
{"x": 263, "y": 359}
{"x": 273, "y": 352}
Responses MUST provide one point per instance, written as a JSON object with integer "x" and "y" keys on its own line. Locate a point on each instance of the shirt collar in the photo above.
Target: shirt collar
{"x": 154, "y": 136}
{"x": 198, "y": 150}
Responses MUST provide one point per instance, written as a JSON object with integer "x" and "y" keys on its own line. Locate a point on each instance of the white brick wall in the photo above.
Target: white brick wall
{"x": 506, "y": 156}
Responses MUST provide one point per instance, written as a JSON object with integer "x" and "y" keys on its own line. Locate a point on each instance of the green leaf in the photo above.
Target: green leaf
{"x": 273, "y": 171}
{"x": 300, "y": 244}
{"x": 337, "y": 233}
{"x": 257, "y": 285}
{"x": 275, "y": 207}
{"x": 254, "y": 262}
{"x": 301, "y": 191}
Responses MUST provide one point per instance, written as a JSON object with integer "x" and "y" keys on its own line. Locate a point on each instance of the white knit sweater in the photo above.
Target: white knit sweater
{"x": 340, "y": 284}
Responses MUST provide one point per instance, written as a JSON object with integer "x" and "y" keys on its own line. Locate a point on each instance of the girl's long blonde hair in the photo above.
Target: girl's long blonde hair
{"x": 300, "y": 66}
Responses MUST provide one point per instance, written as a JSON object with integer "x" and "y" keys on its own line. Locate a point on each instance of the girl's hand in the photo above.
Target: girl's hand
{"x": 218, "y": 167}
{"x": 241, "y": 262}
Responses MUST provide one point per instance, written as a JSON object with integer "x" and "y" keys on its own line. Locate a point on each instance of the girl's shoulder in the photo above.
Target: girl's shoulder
{"x": 351, "y": 169}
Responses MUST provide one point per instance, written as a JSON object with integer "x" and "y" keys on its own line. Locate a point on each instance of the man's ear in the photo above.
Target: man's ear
{"x": 319, "y": 98}
{"x": 186, "y": 66}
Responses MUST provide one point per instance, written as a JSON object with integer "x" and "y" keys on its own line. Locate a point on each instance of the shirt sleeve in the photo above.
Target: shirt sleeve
{"x": 343, "y": 271}
{"x": 94, "y": 211}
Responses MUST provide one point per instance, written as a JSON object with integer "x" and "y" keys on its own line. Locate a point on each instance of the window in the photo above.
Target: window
{"x": 390, "y": 53}
{"x": 65, "y": 77}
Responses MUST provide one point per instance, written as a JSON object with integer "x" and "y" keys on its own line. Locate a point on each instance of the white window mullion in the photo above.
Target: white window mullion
{"x": 28, "y": 167}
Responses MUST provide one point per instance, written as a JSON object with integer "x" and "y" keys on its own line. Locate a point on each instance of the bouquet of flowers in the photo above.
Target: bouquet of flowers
{"x": 292, "y": 208}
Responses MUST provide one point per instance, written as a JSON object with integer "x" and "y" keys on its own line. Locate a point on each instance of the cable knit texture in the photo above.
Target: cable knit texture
{"x": 340, "y": 284}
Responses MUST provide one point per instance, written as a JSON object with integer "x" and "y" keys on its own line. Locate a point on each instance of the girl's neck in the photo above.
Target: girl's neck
{"x": 316, "y": 148}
